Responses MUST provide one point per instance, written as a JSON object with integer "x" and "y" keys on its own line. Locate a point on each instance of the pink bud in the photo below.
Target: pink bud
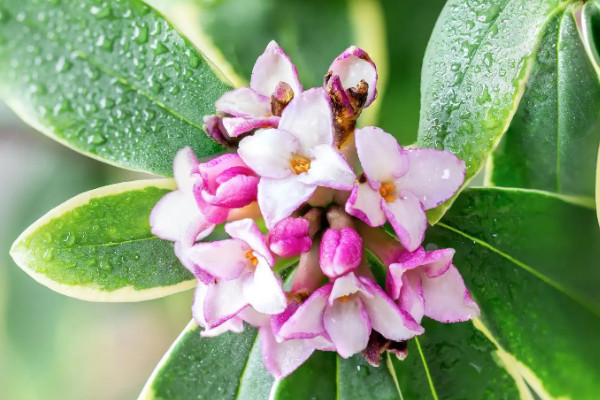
{"x": 228, "y": 182}
{"x": 290, "y": 237}
{"x": 341, "y": 252}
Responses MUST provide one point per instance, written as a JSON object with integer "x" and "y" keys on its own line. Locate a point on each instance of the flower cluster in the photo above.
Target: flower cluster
{"x": 324, "y": 190}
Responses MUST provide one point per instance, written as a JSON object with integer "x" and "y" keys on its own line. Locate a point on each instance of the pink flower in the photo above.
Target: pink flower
{"x": 345, "y": 312}
{"x": 295, "y": 159}
{"x": 290, "y": 237}
{"x": 177, "y": 216}
{"x": 340, "y": 252}
{"x": 426, "y": 283}
{"x": 242, "y": 273}
{"x": 273, "y": 84}
{"x": 353, "y": 66}
{"x": 399, "y": 185}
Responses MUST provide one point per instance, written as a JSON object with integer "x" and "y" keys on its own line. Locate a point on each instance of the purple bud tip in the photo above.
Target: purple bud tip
{"x": 290, "y": 237}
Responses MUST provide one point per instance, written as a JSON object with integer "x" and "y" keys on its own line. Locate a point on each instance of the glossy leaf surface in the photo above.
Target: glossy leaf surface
{"x": 98, "y": 246}
{"x": 552, "y": 141}
{"x": 474, "y": 74}
{"x": 113, "y": 80}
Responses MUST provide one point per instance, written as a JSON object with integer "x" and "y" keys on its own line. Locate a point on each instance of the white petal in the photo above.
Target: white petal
{"x": 263, "y": 291}
{"x": 268, "y": 152}
{"x": 380, "y": 155}
{"x": 348, "y": 326}
{"x": 307, "y": 320}
{"x": 309, "y": 118}
{"x": 244, "y": 102}
{"x": 365, "y": 203}
{"x": 225, "y": 259}
{"x": 223, "y": 301}
{"x": 354, "y": 65}
{"x": 344, "y": 286}
{"x": 272, "y": 67}
{"x": 329, "y": 168}
{"x": 433, "y": 175}
{"x": 279, "y": 198}
{"x": 247, "y": 231}
{"x": 281, "y": 359}
{"x": 408, "y": 219}
{"x": 185, "y": 168}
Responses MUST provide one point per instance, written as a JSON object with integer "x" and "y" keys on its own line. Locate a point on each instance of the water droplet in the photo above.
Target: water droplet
{"x": 102, "y": 11}
{"x": 63, "y": 65}
{"x": 159, "y": 48}
{"x": 140, "y": 34}
{"x": 48, "y": 254}
{"x": 96, "y": 138}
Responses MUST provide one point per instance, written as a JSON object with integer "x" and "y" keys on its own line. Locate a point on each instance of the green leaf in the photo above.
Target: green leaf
{"x": 194, "y": 368}
{"x": 453, "y": 361}
{"x": 553, "y": 139}
{"x": 98, "y": 246}
{"x": 589, "y": 25}
{"x": 312, "y": 42}
{"x": 474, "y": 75}
{"x": 538, "y": 289}
{"x": 113, "y": 80}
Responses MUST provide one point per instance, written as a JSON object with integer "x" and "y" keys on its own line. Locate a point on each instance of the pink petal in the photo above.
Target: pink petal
{"x": 185, "y": 169}
{"x": 340, "y": 251}
{"x": 182, "y": 252}
{"x": 411, "y": 296}
{"x": 447, "y": 299}
{"x": 237, "y": 126}
{"x": 225, "y": 259}
{"x": 396, "y": 270}
{"x": 268, "y": 152}
{"x": 354, "y": 65}
{"x": 329, "y": 168}
{"x": 382, "y": 158}
{"x": 279, "y": 198}
{"x": 290, "y": 237}
{"x": 213, "y": 214}
{"x": 347, "y": 324}
{"x": 433, "y": 175}
{"x": 247, "y": 231}
{"x": 232, "y": 325}
{"x": 309, "y": 118}
{"x": 244, "y": 102}
{"x": 213, "y": 126}
{"x": 437, "y": 262}
{"x": 281, "y": 359}
{"x": 176, "y": 217}
{"x": 344, "y": 286}
{"x": 272, "y": 67}
{"x": 385, "y": 316}
{"x": 365, "y": 203}
{"x": 223, "y": 301}
{"x": 237, "y": 192}
{"x": 212, "y": 170}
{"x": 307, "y": 321}
{"x": 407, "y": 216}
{"x": 263, "y": 290}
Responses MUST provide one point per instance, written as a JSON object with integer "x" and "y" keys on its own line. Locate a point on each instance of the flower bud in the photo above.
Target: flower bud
{"x": 341, "y": 252}
{"x": 290, "y": 237}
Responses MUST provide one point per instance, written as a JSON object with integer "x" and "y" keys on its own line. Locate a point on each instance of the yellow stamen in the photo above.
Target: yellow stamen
{"x": 300, "y": 164}
{"x": 387, "y": 191}
{"x": 250, "y": 256}
{"x": 344, "y": 299}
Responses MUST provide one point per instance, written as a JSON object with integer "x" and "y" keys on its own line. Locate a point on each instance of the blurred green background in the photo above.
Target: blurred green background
{"x": 55, "y": 347}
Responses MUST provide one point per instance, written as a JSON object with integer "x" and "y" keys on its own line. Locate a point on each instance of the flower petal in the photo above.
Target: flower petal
{"x": 213, "y": 214}
{"x": 347, "y": 324}
{"x": 237, "y": 192}
{"x": 237, "y": 126}
{"x": 281, "y": 359}
{"x": 385, "y": 316}
{"x": 279, "y": 198}
{"x": 447, "y": 299}
{"x": 223, "y": 259}
{"x": 290, "y": 237}
{"x": 437, "y": 262}
{"x": 397, "y": 270}
{"x": 365, "y": 203}
{"x": 244, "y": 102}
{"x": 185, "y": 168}
{"x": 329, "y": 168}
{"x": 176, "y": 217}
{"x": 268, "y": 152}
{"x": 344, "y": 286}
{"x": 407, "y": 216}
{"x": 234, "y": 324}
{"x": 263, "y": 291}
{"x": 307, "y": 321}
{"x": 223, "y": 301}
{"x": 340, "y": 251}
{"x": 309, "y": 118}
{"x": 381, "y": 157}
{"x": 411, "y": 296}
{"x": 354, "y": 65}
{"x": 182, "y": 252}
{"x": 247, "y": 231}
{"x": 433, "y": 175}
{"x": 272, "y": 67}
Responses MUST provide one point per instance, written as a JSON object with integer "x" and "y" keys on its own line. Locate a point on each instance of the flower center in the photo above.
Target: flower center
{"x": 345, "y": 298}
{"x": 299, "y": 164}
{"x": 250, "y": 256}
{"x": 387, "y": 191}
